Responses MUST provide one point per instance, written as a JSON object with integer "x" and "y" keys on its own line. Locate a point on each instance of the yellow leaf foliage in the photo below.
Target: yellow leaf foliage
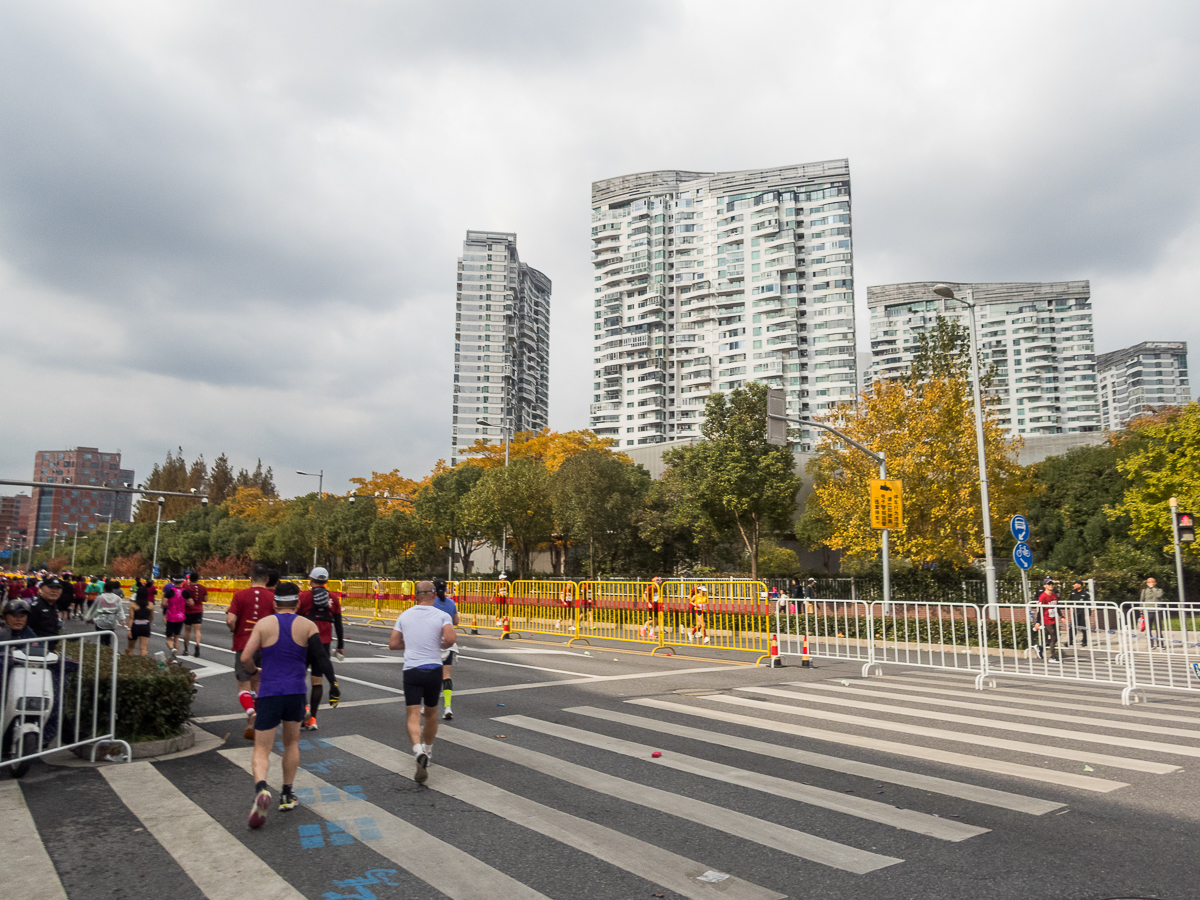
{"x": 927, "y": 433}
{"x": 249, "y": 503}
{"x": 392, "y": 483}
{"x": 552, "y": 448}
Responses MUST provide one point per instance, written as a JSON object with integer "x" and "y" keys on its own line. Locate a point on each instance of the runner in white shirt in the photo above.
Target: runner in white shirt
{"x": 422, "y": 632}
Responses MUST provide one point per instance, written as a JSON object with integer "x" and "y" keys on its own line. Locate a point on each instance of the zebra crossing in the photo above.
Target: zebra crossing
{"x": 735, "y": 769}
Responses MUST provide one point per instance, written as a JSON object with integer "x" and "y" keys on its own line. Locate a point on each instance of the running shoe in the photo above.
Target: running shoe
{"x": 258, "y": 812}
{"x": 196, "y": 652}
{"x": 310, "y": 724}
{"x": 288, "y": 800}
{"x": 248, "y": 734}
{"x": 448, "y": 715}
{"x": 422, "y": 773}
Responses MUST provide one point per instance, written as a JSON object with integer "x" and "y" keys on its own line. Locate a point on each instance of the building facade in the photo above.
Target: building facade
{"x": 1138, "y": 379}
{"x": 706, "y": 281}
{"x": 1037, "y": 336}
{"x": 501, "y": 343}
{"x": 14, "y": 518}
{"x": 63, "y": 510}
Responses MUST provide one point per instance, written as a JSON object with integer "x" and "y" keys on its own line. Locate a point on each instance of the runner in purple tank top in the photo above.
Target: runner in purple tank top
{"x": 289, "y": 645}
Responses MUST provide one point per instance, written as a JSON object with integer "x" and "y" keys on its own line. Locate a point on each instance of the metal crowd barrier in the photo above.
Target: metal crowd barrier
{"x": 45, "y": 709}
{"x": 1132, "y": 646}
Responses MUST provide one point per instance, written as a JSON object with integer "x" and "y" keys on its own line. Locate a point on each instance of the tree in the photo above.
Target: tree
{"x": 393, "y": 484}
{"x": 594, "y": 496}
{"x": 927, "y": 431}
{"x": 1066, "y": 509}
{"x": 220, "y": 481}
{"x": 517, "y": 498}
{"x": 944, "y": 352}
{"x": 551, "y": 448}
{"x": 1161, "y": 459}
{"x": 442, "y": 505}
{"x": 263, "y": 481}
{"x": 734, "y": 472}
{"x": 172, "y": 475}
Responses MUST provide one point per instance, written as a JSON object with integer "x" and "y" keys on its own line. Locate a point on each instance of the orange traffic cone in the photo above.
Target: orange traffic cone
{"x": 805, "y": 662}
{"x": 504, "y": 628}
{"x": 773, "y": 649}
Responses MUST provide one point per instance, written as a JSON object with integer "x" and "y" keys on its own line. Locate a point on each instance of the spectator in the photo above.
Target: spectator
{"x": 1046, "y": 621}
{"x": 1078, "y": 600}
{"x": 43, "y": 614}
{"x": 1151, "y": 601}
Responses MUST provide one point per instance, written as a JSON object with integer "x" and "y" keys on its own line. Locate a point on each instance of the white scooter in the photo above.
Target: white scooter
{"x": 28, "y": 703}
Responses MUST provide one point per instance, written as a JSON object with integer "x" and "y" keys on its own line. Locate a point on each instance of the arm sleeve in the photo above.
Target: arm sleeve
{"x": 319, "y": 658}
{"x": 337, "y": 627}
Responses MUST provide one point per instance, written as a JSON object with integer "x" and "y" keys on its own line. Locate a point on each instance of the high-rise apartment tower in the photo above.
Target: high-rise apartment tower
{"x": 501, "y": 343}
{"x": 1037, "y": 336}
{"x": 73, "y": 507}
{"x": 1137, "y": 379}
{"x": 704, "y": 281}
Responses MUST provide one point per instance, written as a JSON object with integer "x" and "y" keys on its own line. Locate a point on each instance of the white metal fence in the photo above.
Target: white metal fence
{"x": 1131, "y": 646}
{"x": 50, "y": 696}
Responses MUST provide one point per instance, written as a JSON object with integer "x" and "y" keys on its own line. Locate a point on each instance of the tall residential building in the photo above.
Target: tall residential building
{"x": 1037, "y": 336}
{"x": 501, "y": 342}
{"x": 14, "y": 516}
{"x": 1139, "y": 378}
{"x": 67, "y": 509}
{"x": 704, "y": 281}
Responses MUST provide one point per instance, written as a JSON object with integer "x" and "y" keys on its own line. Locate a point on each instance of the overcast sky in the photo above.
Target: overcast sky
{"x": 233, "y": 226}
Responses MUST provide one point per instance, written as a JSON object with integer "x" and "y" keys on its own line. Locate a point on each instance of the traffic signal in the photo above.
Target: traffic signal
{"x": 1186, "y": 524}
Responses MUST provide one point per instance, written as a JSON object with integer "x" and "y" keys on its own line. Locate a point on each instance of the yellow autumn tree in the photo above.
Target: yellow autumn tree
{"x": 250, "y": 503}
{"x": 926, "y": 430}
{"x": 551, "y": 448}
{"x": 394, "y": 485}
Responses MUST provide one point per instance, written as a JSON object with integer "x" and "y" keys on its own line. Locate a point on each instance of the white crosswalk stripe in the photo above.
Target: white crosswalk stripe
{"x": 872, "y": 810}
{"x": 659, "y": 866}
{"x": 1125, "y": 743}
{"x": 29, "y": 872}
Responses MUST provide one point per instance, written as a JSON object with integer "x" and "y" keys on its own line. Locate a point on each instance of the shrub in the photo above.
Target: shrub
{"x": 152, "y": 703}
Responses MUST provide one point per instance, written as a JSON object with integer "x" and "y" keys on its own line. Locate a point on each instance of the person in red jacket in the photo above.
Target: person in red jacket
{"x": 193, "y": 611}
{"x": 245, "y": 609}
{"x": 323, "y": 607}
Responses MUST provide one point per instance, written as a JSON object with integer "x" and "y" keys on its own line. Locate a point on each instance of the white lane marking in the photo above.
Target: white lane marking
{"x": 207, "y": 669}
{"x": 29, "y": 871}
{"x": 443, "y": 866}
{"x": 769, "y": 834}
{"x": 656, "y": 865}
{"x": 504, "y": 662}
{"x": 859, "y": 807}
{"x": 222, "y": 867}
{"x": 960, "y": 737}
{"x": 967, "y": 761}
{"x": 1086, "y": 737}
{"x": 1139, "y": 727}
{"x": 1038, "y": 699}
{"x": 531, "y": 652}
{"x": 961, "y": 790}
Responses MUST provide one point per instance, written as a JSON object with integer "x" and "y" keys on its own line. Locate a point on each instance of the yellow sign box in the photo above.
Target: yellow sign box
{"x": 887, "y": 504}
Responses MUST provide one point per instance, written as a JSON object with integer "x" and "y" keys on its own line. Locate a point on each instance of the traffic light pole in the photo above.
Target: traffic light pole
{"x": 1178, "y": 553}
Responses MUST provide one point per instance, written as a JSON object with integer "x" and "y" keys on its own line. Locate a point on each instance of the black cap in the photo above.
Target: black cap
{"x": 52, "y": 581}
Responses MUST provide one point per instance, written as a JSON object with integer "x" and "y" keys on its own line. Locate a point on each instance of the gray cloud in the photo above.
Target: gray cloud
{"x": 246, "y": 215}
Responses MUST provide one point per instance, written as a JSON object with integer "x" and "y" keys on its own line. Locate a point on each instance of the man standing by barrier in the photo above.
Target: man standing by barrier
{"x": 285, "y": 645}
{"x": 1047, "y": 621}
{"x": 245, "y": 609}
{"x": 43, "y": 612}
{"x": 1078, "y": 614}
{"x": 1151, "y": 601}
{"x": 193, "y": 611}
{"x": 325, "y": 610}
{"x": 422, "y": 632}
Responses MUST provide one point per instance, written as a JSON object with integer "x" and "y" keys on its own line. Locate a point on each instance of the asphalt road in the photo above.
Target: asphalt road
{"x": 804, "y": 783}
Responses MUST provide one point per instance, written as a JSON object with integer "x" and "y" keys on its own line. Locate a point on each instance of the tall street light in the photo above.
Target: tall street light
{"x": 944, "y": 290}
{"x": 74, "y": 544}
{"x": 320, "y": 476}
{"x": 504, "y": 550}
{"x": 158, "y": 523}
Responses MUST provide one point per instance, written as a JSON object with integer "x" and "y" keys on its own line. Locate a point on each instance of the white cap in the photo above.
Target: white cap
{"x": 320, "y": 573}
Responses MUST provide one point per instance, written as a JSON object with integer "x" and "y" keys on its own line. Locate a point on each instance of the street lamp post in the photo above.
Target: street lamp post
{"x": 504, "y": 540}
{"x": 157, "y": 525}
{"x": 320, "y": 476}
{"x": 74, "y": 544}
{"x": 943, "y": 290}
{"x": 885, "y": 550}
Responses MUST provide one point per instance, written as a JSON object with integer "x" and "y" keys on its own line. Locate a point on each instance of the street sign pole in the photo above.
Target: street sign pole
{"x": 885, "y": 549}
{"x": 1178, "y": 553}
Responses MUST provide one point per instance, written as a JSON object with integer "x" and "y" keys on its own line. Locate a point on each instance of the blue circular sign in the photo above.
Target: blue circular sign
{"x": 1019, "y": 526}
{"x": 1022, "y": 555}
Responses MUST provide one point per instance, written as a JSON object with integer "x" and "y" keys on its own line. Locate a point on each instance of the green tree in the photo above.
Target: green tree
{"x": 442, "y": 505}
{"x": 594, "y": 497}
{"x": 1066, "y": 509}
{"x": 220, "y": 481}
{"x": 735, "y": 474}
{"x": 1161, "y": 459}
{"x": 515, "y": 498}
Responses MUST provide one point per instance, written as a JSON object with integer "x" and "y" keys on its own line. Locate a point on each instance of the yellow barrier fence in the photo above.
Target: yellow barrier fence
{"x": 719, "y": 615}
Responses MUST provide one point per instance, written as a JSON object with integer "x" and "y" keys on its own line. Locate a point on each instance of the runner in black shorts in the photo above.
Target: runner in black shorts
{"x": 422, "y": 632}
